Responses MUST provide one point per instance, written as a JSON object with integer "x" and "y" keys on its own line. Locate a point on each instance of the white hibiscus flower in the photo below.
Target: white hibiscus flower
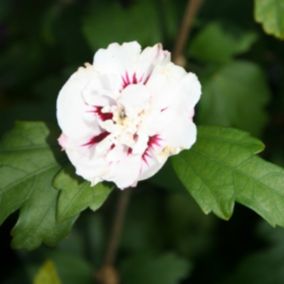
{"x": 122, "y": 117}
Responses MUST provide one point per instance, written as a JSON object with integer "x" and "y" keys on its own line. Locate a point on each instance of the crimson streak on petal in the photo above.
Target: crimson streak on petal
{"x": 97, "y": 139}
{"x": 103, "y": 115}
{"x": 133, "y": 80}
{"x": 152, "y": 141}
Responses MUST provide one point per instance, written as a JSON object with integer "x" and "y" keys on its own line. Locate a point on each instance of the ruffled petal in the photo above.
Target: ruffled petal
{"x": 90, "y": 167}
{"x": 177, "y": 130}
{"x": 149, "y": 59}
{"x": 125, "y": 172}
{"x": 72, "y": 115}
{"x": 152, "y": 165}
{"x": 134, "y": 99}
{"x": 116, "y": 58}
{"x": 164, "y": 83}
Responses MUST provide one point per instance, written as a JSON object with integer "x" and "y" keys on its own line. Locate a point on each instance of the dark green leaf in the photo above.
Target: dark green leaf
{"x": 27, "y": 167}
{"x": 270, "y": 13}
{"x": 76, "y": 196}
{"x": 215, "y": 44}
{"x": 222, "y": 168}
{"x": 110, "y": 22}
{"x": 236, "y": 95}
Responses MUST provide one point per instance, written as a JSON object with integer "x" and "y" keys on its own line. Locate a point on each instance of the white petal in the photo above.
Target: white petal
{"x": 149, "y": 58}
{"x": 189, "y": 92}
{"x": 134, "y": 98}
{"x": 141, "y": 143}
{"x": 115, "y": 154}
{"x": 117, "y": 58}
{"x": 124, "y": 173}
{"x": 152, "y": 166}
{"x": 97, "y": 92}
{"x": 71, "y": 108}
{"x": 90, "y": 167}
{"x": 164, "y": 83}
{"x": 177, "y": 130}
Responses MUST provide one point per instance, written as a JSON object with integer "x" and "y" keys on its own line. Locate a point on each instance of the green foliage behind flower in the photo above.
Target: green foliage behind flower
{"x": 236, "y": 48}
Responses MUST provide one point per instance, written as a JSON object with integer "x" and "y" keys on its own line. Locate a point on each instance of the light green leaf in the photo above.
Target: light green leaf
{"x": 215, "y": 44}
{"x": 270, "y": 13}
{"x": 110, "y": 22}
{"x": 47, "y": 274}
{"x": 27, "y": 167}
{"x": 167, "y": 269}
{"x": 222, "y": 168}
{"x": 236, "y": 95}
{"x": 76, "y": 196}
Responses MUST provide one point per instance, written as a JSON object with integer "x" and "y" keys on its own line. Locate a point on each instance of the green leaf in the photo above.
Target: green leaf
{"x": 77, "y": 196}
{"x": 270, "y": 13}
{"x": 215, "y": 44}
{"x": 167, "y": 269}
{"x": 47, "y": 274}
{"x": 110, "y": 22}
{"x": 222, "y": 168}
{"x": 27, "y": 167}
{"x": 236, "y": 95}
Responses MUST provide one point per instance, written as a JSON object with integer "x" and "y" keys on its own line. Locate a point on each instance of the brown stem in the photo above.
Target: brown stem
{"x": 190, "y": 13}
{"x": 107, "y": 274}
{"x": 117, "y": 227}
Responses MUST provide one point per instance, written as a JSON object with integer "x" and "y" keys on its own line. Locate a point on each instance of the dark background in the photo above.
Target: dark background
{"x": 41, "y": 44}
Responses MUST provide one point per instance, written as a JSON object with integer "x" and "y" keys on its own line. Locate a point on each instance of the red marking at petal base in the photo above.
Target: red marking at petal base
{"x": 97, "y": 139}
{"x": 133, "y": 80}
{"x": 147, "y": 79}
{"x": 153, "y": 140}
{"x": 103, "y": 115}
{"x": 129, "y": 151}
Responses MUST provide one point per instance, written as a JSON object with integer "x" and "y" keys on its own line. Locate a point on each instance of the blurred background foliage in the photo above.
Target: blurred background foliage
{"x": 167, "y": 239}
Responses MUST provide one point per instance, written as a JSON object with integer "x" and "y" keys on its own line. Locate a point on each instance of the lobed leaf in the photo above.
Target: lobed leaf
{"x": 27, "y": 167}
{"x": 77, "y": 196}
{"x": 222, "y": 168}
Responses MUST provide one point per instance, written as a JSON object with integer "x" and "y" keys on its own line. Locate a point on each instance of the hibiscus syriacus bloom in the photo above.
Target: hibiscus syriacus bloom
{"x": 122, "y": 117}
